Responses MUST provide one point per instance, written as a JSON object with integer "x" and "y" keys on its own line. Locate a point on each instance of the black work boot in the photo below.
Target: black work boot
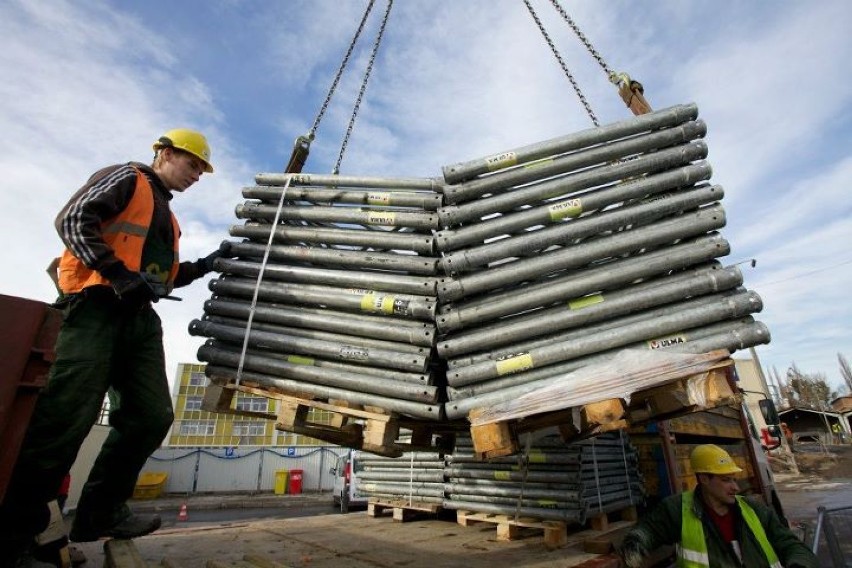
{"x": 122, "y": 523}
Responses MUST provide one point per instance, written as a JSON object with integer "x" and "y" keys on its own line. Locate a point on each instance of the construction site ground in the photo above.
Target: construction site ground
{"x": 435, "y": 541}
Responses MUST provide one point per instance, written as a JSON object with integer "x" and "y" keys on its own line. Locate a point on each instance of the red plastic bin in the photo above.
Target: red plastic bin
{"x": 295, "y": 482}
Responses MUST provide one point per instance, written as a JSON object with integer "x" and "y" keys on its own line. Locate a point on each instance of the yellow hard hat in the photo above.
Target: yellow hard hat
{"x": 189, "y": 141}
{"x": 710, "y": 458}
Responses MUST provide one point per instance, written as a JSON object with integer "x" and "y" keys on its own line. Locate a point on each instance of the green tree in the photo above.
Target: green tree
{"x": 810, "y": 390}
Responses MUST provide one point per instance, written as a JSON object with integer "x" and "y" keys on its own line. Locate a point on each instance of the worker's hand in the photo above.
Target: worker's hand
{"x": 130, "y": 287}
{"x": 224, "y": 251}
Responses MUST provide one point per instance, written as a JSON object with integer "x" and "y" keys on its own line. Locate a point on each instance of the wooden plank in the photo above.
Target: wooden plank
{"x": 119, "y": 553}
{"x": 555, "y": 533}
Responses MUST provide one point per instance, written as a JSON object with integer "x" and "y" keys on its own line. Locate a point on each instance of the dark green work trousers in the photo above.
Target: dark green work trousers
{"x": 103, "y": 344}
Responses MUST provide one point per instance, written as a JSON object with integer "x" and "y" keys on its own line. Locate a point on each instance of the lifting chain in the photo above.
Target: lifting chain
{"x": 562, "y": 64}
{"x": 343, "y": 64}
{"x": 609, "y": 72}
{"x": 363, "y": 87}
{"x": 302, "y": 146}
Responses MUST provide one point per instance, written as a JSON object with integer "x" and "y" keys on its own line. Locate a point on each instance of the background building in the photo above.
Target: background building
{"x": 194, "y": 427}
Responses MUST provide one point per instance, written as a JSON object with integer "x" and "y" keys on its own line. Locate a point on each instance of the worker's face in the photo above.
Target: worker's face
{"x": 720, "y": 488}
{"x": 179, "y": 170}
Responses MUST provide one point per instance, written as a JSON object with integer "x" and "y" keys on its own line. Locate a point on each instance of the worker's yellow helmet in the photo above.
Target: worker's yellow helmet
{"x": 710, "y": 458}
{"x": 189, "y": 141}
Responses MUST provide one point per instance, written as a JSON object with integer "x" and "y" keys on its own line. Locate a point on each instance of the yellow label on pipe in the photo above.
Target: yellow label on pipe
{"x": 565, "y": 209}
{"x": 299, "y": 360}
{"x": 500, "y": 161}
{"x": 666, "y": 341}
{"x": 515, "y": 363}
{"x": 377, "y": 303}
{"x": 585, "y": 301}
{"x": 378, "y": 198}
{"x": 537, "y": 457}
{"x": 503, "y": 475}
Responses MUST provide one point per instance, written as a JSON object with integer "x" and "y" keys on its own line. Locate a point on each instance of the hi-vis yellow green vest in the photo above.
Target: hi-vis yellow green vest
{"x": 125, "y": 234}
{"x": 692, "y": 551}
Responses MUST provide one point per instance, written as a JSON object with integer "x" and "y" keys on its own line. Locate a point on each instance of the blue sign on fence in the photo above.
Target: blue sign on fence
{"x": 230, "y": 452}
{"x": 291, "y": 451}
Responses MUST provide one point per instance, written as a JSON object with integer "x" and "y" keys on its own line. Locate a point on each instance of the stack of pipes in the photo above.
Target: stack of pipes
{"x": 404, "y": 293}
{"x": 414, "y": 477}
{"x": 332, "y": 292}
{"x": 549, "y": 480}
{"x": 562, "y": 253}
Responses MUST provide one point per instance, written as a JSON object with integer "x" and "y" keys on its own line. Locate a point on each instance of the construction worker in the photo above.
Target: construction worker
{"x": 713, "y": 526}
{"x": 121, "y": 256}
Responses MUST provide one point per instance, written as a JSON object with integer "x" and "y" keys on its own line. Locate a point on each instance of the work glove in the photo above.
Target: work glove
{"x": 632, "y": 555}
{"x": 224, "y": 251}
{"x": 130, "y": 287}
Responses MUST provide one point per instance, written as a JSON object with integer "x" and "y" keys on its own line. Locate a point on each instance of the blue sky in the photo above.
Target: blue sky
{"x": 84, "y": 84}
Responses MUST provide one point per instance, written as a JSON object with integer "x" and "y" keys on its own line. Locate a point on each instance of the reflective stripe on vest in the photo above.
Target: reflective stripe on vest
{"x": 125, "y": 234}
{"x": 692, "y": 551}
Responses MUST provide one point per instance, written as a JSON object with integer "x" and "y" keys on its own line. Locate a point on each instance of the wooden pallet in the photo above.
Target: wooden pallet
{"x": 403, "y": 510}
{"x": 366, "y": 428}
{"x": 511, "y": 528}
{"x": 671, "y": 400}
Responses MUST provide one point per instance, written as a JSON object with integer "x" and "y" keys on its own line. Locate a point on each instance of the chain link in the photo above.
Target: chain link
{"x": 562, "y": 64}
{"x": 363, "y": 88}
{"x": 313, "y": 130}
{"x": 583, "y": 38}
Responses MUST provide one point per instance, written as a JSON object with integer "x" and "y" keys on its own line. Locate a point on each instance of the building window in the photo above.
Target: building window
{"x": 248, "y": 429}
{"x": 197, "y": 428}
{"x": 193, "y": 403}
{"x": 197, "y": 379}
{"x": 253, "y": 403}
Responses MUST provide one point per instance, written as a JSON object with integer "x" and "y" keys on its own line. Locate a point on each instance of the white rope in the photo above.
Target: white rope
{"x": 260, "y": 278}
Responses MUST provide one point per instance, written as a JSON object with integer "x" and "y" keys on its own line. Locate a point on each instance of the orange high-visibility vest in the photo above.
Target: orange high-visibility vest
{"x": 125, "y": 234}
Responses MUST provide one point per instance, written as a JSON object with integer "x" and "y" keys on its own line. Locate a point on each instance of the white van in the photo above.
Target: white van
{"x": 346, "y": 491}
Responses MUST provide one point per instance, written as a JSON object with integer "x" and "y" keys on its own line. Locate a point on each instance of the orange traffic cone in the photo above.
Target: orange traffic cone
{"x": 182, "y": 514}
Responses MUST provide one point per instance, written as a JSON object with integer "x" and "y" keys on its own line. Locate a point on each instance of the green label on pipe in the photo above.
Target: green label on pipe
{"x": 503, "y": 475}
{"x": 299, "y": 360}
{"x": 501, "y": 161}
{"x": 585, "y": 301}
{"x": 565, "y": 209}
{"x": 515, "y": 363}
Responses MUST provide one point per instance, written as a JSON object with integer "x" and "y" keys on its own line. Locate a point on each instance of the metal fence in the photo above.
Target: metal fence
{"x": 831, "y": 538}
{"x": 242, "y": 469}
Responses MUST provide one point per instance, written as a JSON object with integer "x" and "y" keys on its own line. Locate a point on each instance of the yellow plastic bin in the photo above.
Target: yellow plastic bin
{"x": 150, "y": 485}
{"x": 281, "y": 481}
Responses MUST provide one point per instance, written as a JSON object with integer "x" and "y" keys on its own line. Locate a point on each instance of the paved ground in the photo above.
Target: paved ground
{"x": 359, "y": 541}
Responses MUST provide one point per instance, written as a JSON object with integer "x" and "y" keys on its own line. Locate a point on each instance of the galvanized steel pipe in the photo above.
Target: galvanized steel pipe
{"x": 552, "y": 216}
{"x": 369, "y": 301}
{"x": 384, "y": 281}
{"x": 402, "y": 331}
{"x": 220, "y": 373}
{"x": 343, "y": 258}
{"x": 665, "y": 118}
{"x": 503, "y": 200}
{"x": 567, "y": 258}
{"x": 380, "y": 240}
{"x": 562, "y": 288}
